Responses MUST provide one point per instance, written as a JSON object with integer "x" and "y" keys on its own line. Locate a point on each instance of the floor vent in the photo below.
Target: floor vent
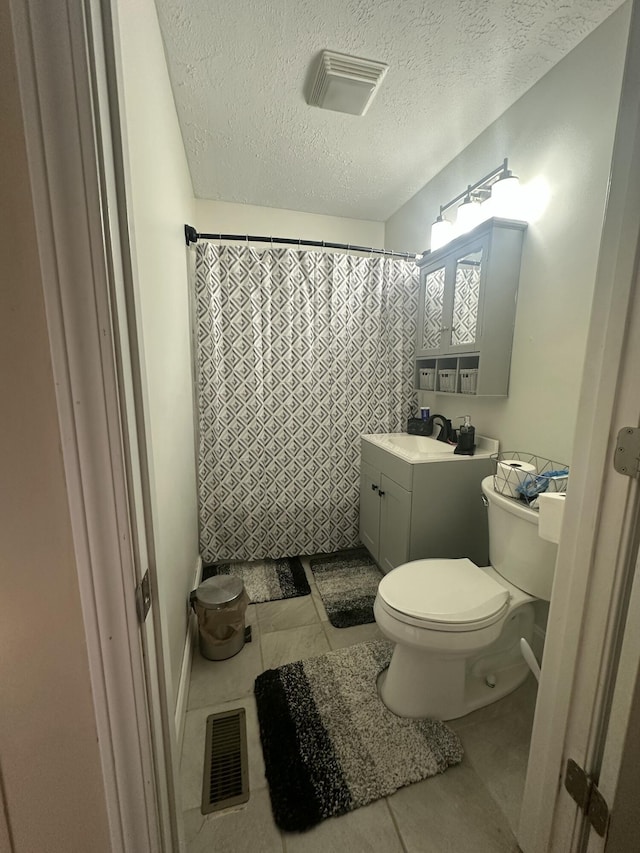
{"x": 226, "y": 777}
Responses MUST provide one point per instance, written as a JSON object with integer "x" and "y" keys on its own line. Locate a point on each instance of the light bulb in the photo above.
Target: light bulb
{"x": 505, "y": 195}
{"x": 441, "y": 233}
{"x": 486, "y": 209}
{"x": 468, "y": 215}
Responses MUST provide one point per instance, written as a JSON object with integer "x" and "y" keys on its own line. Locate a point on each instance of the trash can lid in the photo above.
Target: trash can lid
{"x": 219, "y": 591}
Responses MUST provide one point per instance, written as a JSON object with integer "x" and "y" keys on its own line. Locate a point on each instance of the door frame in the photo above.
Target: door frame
{"x": 596, "y": 553}
{"x": 621, "y": 750}
{"x": 62, "y": 77}
{"x": 54, "y": 58}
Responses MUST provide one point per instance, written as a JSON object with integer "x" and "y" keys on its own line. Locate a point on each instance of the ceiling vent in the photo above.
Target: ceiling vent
{"x": 344, "y": 83}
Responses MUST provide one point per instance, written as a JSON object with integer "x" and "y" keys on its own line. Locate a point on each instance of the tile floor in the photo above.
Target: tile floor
{"x": 472, "y": 808}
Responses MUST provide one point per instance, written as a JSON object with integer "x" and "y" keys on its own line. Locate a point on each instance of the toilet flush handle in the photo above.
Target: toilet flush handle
{"x": 484, "y": 500}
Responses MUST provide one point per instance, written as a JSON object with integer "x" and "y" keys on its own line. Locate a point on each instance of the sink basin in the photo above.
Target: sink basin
{"x": 413, "y": 448}
{"x": 419, "y": 448}
{"x": 417, "y": 444}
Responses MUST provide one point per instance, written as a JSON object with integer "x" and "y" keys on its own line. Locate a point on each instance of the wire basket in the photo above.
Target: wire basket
{"x": 447, "y": 379}
{"x": 427, "y": 378}
{"x": 468, "y": 380}
{"x": 523, "y": 476}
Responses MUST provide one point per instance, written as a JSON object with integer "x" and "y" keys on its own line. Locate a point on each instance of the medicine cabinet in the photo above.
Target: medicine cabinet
{"x": 467, "y": 309}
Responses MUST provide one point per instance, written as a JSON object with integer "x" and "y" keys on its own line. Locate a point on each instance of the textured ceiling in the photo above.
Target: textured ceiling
{"x": 239, "y": 70}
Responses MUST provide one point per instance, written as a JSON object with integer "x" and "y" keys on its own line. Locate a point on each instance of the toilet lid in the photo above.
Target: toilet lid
{"x": 447, "y": 591}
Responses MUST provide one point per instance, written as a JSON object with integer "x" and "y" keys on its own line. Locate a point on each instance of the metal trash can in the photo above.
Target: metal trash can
{"x": 220, "y": 604}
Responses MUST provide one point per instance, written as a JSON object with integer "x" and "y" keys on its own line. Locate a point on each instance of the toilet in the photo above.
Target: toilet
{"x": 457, "y": 626}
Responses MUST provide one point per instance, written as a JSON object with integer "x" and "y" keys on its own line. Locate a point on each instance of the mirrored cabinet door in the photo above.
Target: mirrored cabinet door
{"x": 433, "y": 309}
{"x": 466, "y": 299}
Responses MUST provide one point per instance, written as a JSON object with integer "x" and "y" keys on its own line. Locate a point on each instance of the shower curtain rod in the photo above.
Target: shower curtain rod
{"x": 192, "y": 236}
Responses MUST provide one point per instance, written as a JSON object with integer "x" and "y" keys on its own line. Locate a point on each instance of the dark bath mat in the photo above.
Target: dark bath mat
{"x": 329, "y": 743}
{"x": 266, "y": 580}
{"x": 347, "y": 583}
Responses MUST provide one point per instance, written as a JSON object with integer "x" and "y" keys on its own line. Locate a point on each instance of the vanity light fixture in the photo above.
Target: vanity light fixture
{"x": 496, "y": 194}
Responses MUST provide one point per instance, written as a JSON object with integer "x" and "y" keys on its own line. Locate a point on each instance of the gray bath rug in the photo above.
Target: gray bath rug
{"x": 266, "y": 580}
{"x": 329, "y": 743}
{"x": 347, "y": 584}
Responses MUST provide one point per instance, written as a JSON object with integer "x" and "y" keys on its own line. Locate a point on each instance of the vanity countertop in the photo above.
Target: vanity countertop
{"x": 419, "y": 448}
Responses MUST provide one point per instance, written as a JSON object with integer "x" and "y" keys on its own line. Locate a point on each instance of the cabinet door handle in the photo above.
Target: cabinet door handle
{"x": 374, "y": 487}
{"x": 381, "y": 493}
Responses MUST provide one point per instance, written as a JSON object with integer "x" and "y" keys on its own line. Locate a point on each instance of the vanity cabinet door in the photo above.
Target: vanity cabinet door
{"x": 395, "y": 524}
{"x": 370, "y": 508}
{"x": 385, "y": 517}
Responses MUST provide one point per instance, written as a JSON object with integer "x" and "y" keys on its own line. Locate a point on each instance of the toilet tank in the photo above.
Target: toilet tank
{"x": 515, "y": 550}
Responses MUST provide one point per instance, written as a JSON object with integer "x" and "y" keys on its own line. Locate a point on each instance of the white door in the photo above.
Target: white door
{"x": 65, "y": 98}
{"x": 585, "y": 690}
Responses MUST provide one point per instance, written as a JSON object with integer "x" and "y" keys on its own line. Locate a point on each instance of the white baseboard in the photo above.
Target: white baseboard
{"x": 185, "y": 670}
{"x": 537, "y": 645}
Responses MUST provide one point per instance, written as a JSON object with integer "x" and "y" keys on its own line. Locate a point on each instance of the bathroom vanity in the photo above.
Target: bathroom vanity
{"x": 417, "y": 499}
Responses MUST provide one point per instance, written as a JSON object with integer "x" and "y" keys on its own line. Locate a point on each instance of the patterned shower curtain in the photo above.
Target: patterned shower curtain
{"x": 297, "y": 354}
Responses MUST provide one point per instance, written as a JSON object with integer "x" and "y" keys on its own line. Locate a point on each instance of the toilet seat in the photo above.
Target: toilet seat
{"x": 443, "y": 595}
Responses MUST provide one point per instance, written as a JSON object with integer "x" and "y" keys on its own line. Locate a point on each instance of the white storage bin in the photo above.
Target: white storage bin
{"x": 427, "y": 378}
{"x": 468, "y": 381}
{"x": 447, "y": 380}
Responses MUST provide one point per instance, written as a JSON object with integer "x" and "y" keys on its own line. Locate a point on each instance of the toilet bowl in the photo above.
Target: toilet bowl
{"x": 457, "y": 626}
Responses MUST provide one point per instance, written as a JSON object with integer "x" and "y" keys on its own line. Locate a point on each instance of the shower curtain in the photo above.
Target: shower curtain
{"x": 297, "y": 354}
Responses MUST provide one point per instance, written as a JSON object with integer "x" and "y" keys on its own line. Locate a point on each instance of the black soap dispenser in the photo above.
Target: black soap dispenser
{"x": 466, "y": 438}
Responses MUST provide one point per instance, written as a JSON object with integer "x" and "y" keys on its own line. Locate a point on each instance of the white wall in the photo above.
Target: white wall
{"x": 160, "y": 199}
{"x": 220, "y": 217}
{"x": 560, "y": 133}
{"x": 52, "y": 793}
